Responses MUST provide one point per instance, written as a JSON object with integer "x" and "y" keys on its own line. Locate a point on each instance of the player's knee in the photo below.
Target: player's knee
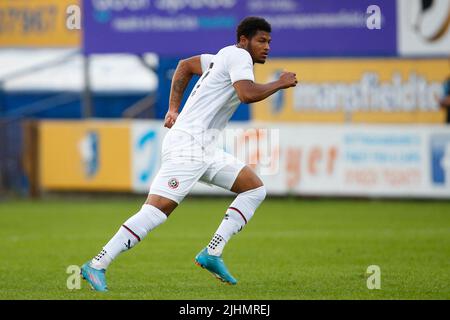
{"x": 164, "y": 204}
{"x": 259, "y": 193}
{"x": 262, "y": 193}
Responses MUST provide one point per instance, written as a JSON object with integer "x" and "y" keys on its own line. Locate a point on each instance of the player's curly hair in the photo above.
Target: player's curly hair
{"x": 250, "y": 26}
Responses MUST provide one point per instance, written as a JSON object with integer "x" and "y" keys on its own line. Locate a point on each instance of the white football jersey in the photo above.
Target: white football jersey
{"x": 213, "y": 99}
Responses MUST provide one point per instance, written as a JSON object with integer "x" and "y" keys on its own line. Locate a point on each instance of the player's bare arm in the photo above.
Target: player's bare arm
{"x": 183, "y": 74}
{"x": 249, "y": 92}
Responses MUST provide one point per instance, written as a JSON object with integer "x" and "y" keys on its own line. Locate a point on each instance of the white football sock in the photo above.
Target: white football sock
{"x": 238, "y": 214}
{"x": 130, "y": 233}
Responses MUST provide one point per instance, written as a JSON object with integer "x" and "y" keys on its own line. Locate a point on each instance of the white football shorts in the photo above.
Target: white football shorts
{"x": 184, "y": 161}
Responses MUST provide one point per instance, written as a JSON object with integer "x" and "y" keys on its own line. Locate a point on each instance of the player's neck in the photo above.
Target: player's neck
{"x": 238, "y": 45}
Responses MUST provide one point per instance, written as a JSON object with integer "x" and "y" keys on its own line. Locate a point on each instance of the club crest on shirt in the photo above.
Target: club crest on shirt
{"x": 173, "y": 183}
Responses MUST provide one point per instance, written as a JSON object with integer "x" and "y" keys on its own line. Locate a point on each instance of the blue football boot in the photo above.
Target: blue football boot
{"x": 96, "y": 278}
{"x": 215, "y": 265}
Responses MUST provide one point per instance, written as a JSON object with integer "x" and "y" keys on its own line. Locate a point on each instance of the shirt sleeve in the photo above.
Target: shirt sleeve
{"x": 205, "y": 60}
{"x": 240, "y": 66}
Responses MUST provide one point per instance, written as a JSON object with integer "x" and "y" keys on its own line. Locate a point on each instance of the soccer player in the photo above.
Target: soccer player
{"x": 190, "y": 154}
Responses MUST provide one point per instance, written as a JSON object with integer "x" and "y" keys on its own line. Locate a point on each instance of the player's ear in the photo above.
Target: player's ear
{"x": 243, "y": 40}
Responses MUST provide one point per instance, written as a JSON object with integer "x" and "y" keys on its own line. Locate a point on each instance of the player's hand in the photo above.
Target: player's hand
{"x": 288, "y": 79}
{"x": 169, "y": 120}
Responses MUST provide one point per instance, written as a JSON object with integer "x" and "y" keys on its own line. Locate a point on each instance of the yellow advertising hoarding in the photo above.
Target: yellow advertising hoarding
{"x": 87, "y": 155}
{"x": 37, "y": 23}
{"x": 355, "y": 90}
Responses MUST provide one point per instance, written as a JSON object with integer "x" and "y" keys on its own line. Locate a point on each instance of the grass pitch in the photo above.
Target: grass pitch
{"x": 291, "y": 249}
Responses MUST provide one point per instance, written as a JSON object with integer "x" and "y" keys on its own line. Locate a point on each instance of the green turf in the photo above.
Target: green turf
{"x": 292, "y": 249}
